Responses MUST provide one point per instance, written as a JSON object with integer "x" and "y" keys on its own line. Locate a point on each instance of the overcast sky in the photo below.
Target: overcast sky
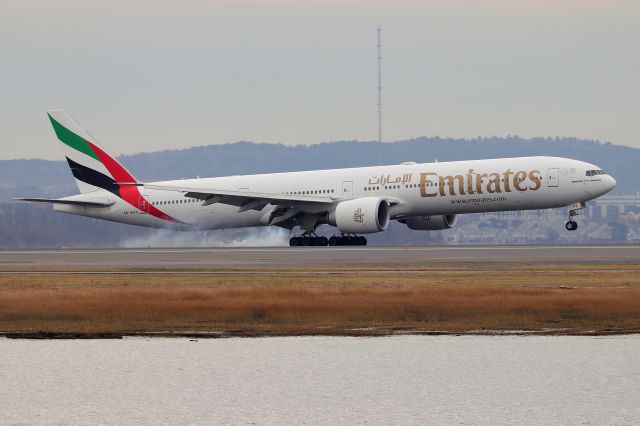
{"x": 145, "y": 75}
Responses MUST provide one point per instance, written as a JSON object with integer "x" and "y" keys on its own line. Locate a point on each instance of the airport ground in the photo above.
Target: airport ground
{"x": 222, "y": 292}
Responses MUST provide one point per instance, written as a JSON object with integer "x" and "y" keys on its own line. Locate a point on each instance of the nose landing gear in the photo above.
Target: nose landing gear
{"x": 574, "y": 210}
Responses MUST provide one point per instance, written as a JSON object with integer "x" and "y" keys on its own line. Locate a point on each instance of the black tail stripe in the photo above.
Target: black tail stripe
{"x": 92, "y": 177}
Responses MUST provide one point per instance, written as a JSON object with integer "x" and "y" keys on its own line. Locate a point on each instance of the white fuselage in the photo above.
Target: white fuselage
{"x": 426, "y": 189}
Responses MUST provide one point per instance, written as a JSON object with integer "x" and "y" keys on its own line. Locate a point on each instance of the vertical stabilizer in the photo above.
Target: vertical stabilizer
{"x": 91, "y": 166}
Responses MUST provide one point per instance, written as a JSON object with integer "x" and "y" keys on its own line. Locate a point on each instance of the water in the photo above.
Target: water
{"x": 323, "y": 380}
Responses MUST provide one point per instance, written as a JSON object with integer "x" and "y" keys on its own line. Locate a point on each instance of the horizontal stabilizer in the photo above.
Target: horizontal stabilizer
{"x": 85, "y": 203}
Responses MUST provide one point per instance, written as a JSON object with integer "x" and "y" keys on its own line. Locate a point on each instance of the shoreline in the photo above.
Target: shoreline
{"x": 53, "y": 335}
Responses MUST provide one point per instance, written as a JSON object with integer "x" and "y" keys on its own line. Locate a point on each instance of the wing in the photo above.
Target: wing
{"x": 85, "y": 203}
{"x": 286, "y": 207}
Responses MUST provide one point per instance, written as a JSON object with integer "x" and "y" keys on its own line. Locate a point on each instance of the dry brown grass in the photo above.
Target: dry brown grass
{"x": 322, "y": 304}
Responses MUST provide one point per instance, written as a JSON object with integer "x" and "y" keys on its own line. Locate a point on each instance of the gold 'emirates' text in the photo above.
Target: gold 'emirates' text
{"x": 432, "y": 185}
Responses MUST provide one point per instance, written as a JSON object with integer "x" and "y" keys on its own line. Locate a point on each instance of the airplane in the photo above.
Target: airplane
{"x": 356, "y": 201}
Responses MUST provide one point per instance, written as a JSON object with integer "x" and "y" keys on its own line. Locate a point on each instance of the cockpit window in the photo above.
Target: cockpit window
{"x": 595, "y": 172}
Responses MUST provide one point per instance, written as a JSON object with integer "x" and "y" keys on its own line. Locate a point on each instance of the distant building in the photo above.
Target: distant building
{"x": 613, "y": 206}
{"x": 609, "y": 207}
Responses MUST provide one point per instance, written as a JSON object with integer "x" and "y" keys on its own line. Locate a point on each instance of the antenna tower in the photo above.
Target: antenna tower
{"x": 379, "y": 96}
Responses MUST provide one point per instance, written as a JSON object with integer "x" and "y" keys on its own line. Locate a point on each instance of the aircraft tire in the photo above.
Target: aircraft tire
{"x": 571, "y": 225}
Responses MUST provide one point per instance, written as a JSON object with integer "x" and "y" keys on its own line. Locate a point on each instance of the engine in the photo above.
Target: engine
{"x": 430, "y": 223}
{"x": 361, "y": 215}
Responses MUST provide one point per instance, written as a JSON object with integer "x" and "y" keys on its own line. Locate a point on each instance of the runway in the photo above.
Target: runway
{"x": 265, "y": 258}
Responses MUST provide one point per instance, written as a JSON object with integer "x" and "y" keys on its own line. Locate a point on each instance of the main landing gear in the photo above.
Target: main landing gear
{"x": 308, "y": 240}
{"x": 311, "y": 239}
{"x": 347, "y": 240}
{"x": 574, "y": 210}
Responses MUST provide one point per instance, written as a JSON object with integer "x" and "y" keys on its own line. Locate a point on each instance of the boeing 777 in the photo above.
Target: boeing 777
{"x": 356, "y": 201}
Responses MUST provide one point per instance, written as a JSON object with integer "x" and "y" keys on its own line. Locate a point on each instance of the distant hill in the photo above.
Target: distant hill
{"x": 24, "y": 225}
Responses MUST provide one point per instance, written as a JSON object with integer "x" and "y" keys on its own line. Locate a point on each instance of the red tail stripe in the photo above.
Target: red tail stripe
{"x": 129, "y": 193}
{"x": 119, "y": 173}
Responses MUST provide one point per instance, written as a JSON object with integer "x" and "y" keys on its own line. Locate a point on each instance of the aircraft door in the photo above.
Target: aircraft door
{"x": 347, "y": 189}
{"x": 552, "y": 177}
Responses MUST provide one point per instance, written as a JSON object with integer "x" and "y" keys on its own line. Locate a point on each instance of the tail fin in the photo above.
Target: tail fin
{"x": 92, "y": 167}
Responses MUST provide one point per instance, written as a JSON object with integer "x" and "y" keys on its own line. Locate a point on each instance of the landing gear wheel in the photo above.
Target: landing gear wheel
{"x": 571, "y": 225}
{"x": 347, "y": 240}
{"x": 308, "y": 240}
{"x": 295, "y": 242}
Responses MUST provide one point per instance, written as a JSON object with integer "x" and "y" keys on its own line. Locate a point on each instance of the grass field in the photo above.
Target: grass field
{"x": 566, "y": 299}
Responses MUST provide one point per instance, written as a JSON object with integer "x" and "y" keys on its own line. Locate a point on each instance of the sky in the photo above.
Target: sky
{"x": 143, "y": 75}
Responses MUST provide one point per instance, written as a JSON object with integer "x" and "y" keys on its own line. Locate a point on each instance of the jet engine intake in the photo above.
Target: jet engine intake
{"x": 430, "y": 223}
{"x": 361, "y": 215}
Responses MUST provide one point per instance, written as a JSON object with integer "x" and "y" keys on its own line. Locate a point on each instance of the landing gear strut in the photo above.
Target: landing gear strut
{"x": 574, "y": 210}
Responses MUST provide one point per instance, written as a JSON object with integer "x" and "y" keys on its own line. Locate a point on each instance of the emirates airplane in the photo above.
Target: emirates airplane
{"x": 362, "y": 200}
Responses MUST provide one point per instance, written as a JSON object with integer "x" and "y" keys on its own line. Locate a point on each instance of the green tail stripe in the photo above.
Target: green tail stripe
{"x": 71, "y": 139}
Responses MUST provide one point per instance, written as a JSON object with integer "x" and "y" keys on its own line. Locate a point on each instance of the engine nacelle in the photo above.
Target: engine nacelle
{"x": 431, "y": 223}
{"x": 361, "y": 215}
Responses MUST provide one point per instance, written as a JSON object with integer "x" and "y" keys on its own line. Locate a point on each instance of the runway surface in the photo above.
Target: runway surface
{"x": 325, "y": 257}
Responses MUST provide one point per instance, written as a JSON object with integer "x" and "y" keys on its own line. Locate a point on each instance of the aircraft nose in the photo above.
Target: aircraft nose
{"x": 611, "y": 183}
